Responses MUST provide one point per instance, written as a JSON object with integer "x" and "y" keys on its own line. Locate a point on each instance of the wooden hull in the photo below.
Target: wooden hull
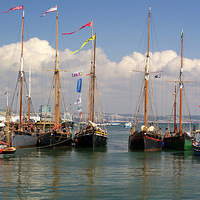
{"x": 23, "y": 139}
{"x": 91, "y": 138}
{"x": 8, "y": 150}
{"x": 145, "y": 142}
{"x": 177, "y": 142}
{"x": 54, "y": 139}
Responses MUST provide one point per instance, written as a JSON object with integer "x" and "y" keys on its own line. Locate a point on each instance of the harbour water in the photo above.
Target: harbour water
{"x": 101, "y": 173}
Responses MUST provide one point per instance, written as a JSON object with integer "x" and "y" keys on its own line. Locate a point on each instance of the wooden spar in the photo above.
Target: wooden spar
{"x": 56, "y": 78}
{"x": 93, "y": 81}
{"x": 8, "y": 136}
{"x": 29, "y": 98}
{"x": 175, "y": 128}
{"x": 147, "y": 74}
{"x": 181, "y": 85}
{"x": 91, "y": 74}
{"x": 21, "y": 75}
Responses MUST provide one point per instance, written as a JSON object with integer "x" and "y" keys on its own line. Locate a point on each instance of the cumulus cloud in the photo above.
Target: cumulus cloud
{"x": 118, "y": 84}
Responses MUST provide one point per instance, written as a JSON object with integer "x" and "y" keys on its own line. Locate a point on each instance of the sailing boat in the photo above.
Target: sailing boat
{"x": 90, "y": 134}
{"x": 147, "y": 138}
{"x": 178, "y": 139}
{"x": 59, "y": 136}
{"x": 24, "y": 135}
{"x": 9, "y": 149}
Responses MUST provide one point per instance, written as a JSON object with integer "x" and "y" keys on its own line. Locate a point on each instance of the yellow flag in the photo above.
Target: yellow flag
{"x": 92, "y": 38}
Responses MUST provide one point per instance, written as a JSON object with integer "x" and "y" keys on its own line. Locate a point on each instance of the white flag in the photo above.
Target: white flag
{"x": 78, "y": 100}
{"x": 50, "y": 10}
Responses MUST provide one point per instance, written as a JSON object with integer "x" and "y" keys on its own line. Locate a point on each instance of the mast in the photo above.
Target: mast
{"x": 181, "y": 84}
{"x": 147, "y": 74}
{"x": 21, "y": 74}
{"x": 29, "y": 97}
{"x": 91, "y": 74}
{"x": 8, "y": 136}
{"x": 93, "y": 81}
{"x": 175, "y": 128}
{"x": 56, "y": 78}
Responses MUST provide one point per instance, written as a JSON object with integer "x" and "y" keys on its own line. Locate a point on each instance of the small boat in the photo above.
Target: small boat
{"x": 8, "y": 148}
{"x": 115, "y": 123}
{"x": 90, "y": 134}
{"x": 178, "y": 139}
{"x": 59, "y": 135}
{"x": 128, "y": 125}
{"x": 145, "y": 138}
{"x": 196, "y": 148}
{"x": 196, "y": 144}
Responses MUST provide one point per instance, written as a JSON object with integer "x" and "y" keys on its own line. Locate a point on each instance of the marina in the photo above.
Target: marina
{"x": 84, "y": 114}
{"x": 102, "y": 173}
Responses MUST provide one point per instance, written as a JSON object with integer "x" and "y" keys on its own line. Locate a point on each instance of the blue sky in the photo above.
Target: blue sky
{"x": 118, "y": 24}
{"x": 121, "y": 31}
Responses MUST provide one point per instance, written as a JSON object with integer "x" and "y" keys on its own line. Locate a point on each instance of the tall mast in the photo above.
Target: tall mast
{"x": 175, "y": 128}
{"x": 93, "y": 81}
{"x": 8, "y": 136}
{"x": 29, "y": 96}
{"x": 181, "y": 83}
{"x": 91, "y": 74}
{"x": 21, "y": 74}
{"x": 56, "y": 78}
{"x": 147, "y": 74}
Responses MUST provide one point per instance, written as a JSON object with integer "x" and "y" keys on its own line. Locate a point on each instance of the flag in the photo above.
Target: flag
{"x": 88, "y": 24}
{"x": 50, "y": 10}
{"x": 182, "y": 33}
{"x": 88, "y": 74}
{"x": 79, "y": 73}
{"x": 92, "y": 38}
{"x": 80, "y": 110}
{"x": 158, "y": 76}
{"x": 14, "y": 8}
{"x": 78, "y": 100}
{"x": 79, "y": 85}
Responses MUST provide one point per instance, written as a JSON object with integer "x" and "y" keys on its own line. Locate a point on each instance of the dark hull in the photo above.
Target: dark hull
{"x": 90, "y": 139}
{"x": 145, "y": 142}
{"x": 54, "y": 139}
{"x": 174, "y": 142}
{"x": 178, "y": 142}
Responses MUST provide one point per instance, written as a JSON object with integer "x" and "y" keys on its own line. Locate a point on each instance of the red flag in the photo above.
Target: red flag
{"x": 50, "y": 10}
{"x": 89, "y": 24}
{"x": 14, "y": 8}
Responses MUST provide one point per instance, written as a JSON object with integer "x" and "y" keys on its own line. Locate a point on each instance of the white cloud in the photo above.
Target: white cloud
{"x": 114, "y": 79}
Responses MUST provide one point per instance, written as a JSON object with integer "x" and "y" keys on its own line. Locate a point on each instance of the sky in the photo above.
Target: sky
{"x": 121, "y": 28}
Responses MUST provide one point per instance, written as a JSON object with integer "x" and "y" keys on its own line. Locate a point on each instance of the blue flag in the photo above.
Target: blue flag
{"x": 79, "y": 85}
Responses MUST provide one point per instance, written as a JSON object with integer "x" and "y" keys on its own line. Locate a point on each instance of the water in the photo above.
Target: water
{"x": 101, "y": 173}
